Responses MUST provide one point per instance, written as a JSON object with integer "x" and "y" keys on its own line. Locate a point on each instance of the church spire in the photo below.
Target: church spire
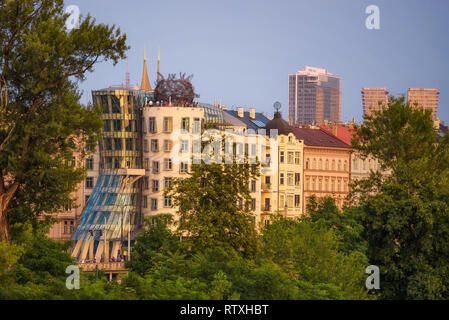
{"x": 145, "y": 85}
{"x": 158, "y": 65}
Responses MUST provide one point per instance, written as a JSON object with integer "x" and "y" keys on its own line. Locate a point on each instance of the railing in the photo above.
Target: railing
{"x": 108, "y": 266}
{"x": 266, "y": 208}
{"x": 266, "y": 186}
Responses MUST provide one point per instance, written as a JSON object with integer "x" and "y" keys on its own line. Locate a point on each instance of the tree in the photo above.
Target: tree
{"x": 177, "y": 91}
{"x": 156, "y": 238}
{"x": 42, "y": 122}
{"x": 214, "y": 206}
{"x": 309, "y": 253}
{"x": 406, "y": 223}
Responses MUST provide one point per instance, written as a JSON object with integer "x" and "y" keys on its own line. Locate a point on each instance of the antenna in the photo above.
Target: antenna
{"x": 127, "y": 76}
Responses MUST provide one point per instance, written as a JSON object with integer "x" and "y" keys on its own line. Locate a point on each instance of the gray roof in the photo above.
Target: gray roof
{"x": 259, "y": 122}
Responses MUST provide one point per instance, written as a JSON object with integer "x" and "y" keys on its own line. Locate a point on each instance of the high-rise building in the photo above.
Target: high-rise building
{"x": 373, "y": 100}
{"x": 426, "y": 98}
{"x": 314, "y": 96}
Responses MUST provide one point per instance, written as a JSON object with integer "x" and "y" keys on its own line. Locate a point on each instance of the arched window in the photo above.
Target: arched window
{"x": 333, "y": 164}
{"x": 327, "y": 164}
{"x": 345, "y": 166}
{"x": 320, "y": 164}
{"x": 339, "y": 165}
{"x": 307, "y": 163}
{"x": 314, "y": 164}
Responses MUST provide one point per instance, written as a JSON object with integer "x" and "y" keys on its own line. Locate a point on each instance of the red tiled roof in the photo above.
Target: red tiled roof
{"x": 319, "y": 138}
{"x": 343, "y": 133}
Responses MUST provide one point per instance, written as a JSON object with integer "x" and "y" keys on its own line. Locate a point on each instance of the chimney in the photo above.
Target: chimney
{"x": 252, "y": 113}
{"x": 240, "y": 112}
{"x": 335, "y": 130}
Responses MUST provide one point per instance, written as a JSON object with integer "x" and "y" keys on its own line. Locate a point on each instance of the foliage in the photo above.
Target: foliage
{"x": 214, "y": 206}
{"x": 406, "y": 223}
{"x": 43, "y": 123}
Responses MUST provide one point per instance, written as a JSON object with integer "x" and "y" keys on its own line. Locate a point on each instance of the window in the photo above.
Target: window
{"x": 89, "y": 182}
{"x": 167, "y": 182}
{"x": 154, "y": 145}
{"x": 297, "y": 177}
{"x": 145, "y": 201}
{"x": 297, "y": 201}
{"x": 282, "y": 201}
{"x": 290, "y": 179}
{"x": 107, "y": 126}
{"x": 155, "y": 186}
{"x": 327, "y": 164}
{"x": 167, "y": 202}
{"x": 146, "y": 183}
{"x": 152, "y": 125}
{"x": 108, "y": 143}
{"x": 117, "y": 124}
{"x": 118, "y": 144}
{"x": 185, "y": 124}
{"x": 320, "y": 184}
{"x": 297, "y": 158}
{"x": 183, "y": 167}
{"x": 267, "y": 180}
{"x": 346, "y": 164}
{"x": 168, "y": 165}
{"x": 184, "y": 146}
{"x": 86, "y": 199}
{"x": 129, "y": 144}
{"x": 168, "y": 145}
{"x": 339, "y": 165}
{"x": 307, "y": 164}
{"x": 196, "y": 125}
{"x": 333, "y": 164}
{"x": 89, "y": 163}
{"x": 153, "y": 204}
{"x": 155, "y": 166}
{"x": 253, "y": 185}
{"x": 320, "y": 164}
{"x": 290, "y": 201}
{"x": 307, "y": 184}
{"x": 253, "y": 204}
{"x": 281, "y": 179}
{"x": 282, "y": 157}
{"x": 314, "y": 164}
{"x": 168, "y": 124}
{"x": 146, "y": 163}
{"x": 290, "y": 157}
{"x": 145, "y": 145}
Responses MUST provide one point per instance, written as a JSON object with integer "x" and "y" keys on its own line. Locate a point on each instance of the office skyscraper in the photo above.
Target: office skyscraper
{"x": 426, "y": 98}
{"x": 372, "y": 97}
{"x": 314, "y": 96}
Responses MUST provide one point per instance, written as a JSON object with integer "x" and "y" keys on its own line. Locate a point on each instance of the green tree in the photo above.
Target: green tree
{"x": 156, "y": 238}
{"x": 309, "y": 252}
{"x": 42, "y": 122}
{"x": 406, "y": 223}
{"x": 214, "y": 206}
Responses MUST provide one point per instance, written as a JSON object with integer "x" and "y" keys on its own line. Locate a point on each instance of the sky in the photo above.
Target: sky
{"x": 241, "y": 51}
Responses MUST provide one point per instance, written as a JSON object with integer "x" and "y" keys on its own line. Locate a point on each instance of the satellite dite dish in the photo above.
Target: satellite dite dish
{"x": 277, "y": 106}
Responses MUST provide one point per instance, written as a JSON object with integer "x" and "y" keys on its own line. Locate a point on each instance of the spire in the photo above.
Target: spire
{"x": 145, "y": 85}
{"x": 158, "y": 65}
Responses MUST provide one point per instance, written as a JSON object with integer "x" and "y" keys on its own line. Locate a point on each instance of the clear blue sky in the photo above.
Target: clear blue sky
{"x": 241, "y": 51}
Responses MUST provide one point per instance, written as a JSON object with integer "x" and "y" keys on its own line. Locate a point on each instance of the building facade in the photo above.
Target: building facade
{"x": 327, "y": 165}
{"x": 373, "y": 100}
{"x": 426, "y": 98}
{"x": 314, "y": 96}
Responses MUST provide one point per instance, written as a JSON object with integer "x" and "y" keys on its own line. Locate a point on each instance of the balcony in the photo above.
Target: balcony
{"x": 266, "y": 187}
{"x": 266, "y": 208}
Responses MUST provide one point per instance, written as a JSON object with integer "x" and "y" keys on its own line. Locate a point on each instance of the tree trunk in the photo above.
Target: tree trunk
{"x": 4, "y": 223}
{"x": 5, "y": 199}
